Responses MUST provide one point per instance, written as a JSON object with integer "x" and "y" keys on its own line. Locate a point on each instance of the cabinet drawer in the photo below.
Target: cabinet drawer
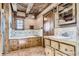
{"x": 47, "y": 42}
{"x": 55, "y": 44}
{"x": 48, "y": 51}
{"x": 68, "y": 49}
{"x": 58, "y": 53}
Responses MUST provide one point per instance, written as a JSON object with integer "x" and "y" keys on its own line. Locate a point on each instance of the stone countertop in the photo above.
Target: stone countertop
{"x": 63, "y": 39}
{"x": 11, "y": 38}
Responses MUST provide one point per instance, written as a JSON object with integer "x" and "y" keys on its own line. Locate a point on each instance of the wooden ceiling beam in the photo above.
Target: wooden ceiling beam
{"x": 14, "y": 6}
{"x": 29, "y": 7}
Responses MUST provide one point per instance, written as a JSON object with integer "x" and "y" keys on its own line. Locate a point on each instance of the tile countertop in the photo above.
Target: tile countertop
{"x": 62, "y": 39}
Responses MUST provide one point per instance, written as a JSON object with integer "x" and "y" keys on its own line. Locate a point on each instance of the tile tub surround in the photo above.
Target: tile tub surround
{"x": 66, "y": 32}
{"x": 17, "y": 34}
{"x": 33, "y": 51}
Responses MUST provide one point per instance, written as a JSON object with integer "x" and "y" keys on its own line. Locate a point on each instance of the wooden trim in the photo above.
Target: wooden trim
{"x": 21, "y": 11}
{"x": 2, "y": 5}
{"x": 20, "y": 17}
{"x": 43, "y": 34}
{"x": 45, "y": 7}
{"x": 49, "y": 12}
{"x": 11, "y": 7}
{"x": 62, "y": 52}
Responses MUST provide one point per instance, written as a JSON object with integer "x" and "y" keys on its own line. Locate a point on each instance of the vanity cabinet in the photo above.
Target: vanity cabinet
{"x": 58, "y": 48}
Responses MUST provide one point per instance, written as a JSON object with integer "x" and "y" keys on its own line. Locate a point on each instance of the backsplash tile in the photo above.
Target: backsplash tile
{"x": 66, "y": 32}
{"x": 25, "y": 33}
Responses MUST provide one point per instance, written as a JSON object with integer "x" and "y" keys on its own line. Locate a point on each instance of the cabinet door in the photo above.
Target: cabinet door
{"x": 47, "y": 42}
{"x": 57, "y": 53}
{"x": 34, "y": 42}
{"x": 29, "y": 42}
{"x": 48, "y": 51}
{"x": 22, "y": 43}
{"x": 52, "y": 52}
{"x": 39, "y": 42}
{"x": 14, "y": 44}
{"x": 55, "y": 44}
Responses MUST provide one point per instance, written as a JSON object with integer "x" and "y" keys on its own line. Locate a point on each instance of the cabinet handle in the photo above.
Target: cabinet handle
{"x": 66, "y": 49}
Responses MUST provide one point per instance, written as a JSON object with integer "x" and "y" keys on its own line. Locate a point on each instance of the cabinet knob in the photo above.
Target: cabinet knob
{"x": 66, "y": 49}
{"x": 48, "y": 52}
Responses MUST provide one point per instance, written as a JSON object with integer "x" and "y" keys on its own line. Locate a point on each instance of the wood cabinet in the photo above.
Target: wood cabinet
{"x": 55, "y": 44}
{"x": 34, "y": 42}
{"x": 57, "y": 48}
{"x": 52, "y": 52}
{"x": 14, "y": 44}
{"x": 22, "y": 44}
{"x": 48, "y": 51}
{"x": 58, "y": 53}
{"x": 47, "y": 42}
{"x": 25, "y": 43}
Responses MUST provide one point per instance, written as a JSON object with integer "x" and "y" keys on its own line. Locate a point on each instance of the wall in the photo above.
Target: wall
{"x": 28, "y": 22}
{"x": 40, "y": 18}
{"x": 77, "y": 28}
{"x": 40, "y": 22}
{"x": 0, "y": 30}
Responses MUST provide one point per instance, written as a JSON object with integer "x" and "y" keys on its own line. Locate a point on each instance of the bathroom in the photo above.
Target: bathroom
{"x": 49, "y": 28}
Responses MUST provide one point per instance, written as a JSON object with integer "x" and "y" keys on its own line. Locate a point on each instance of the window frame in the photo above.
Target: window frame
{"x": 23, "y": 24}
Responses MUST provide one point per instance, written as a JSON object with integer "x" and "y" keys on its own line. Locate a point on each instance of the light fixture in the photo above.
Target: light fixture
{"x": 31, "y": 16}
{"x": 45, "y": 19}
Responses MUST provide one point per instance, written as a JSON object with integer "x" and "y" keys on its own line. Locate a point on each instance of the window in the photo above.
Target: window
{"x": 20, "y": 24}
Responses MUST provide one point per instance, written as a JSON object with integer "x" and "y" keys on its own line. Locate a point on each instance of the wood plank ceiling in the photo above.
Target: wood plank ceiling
{"x": 35, "y": 9}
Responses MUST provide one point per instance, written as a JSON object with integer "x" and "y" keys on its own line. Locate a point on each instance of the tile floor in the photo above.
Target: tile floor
{"x": 33, "y": 51}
